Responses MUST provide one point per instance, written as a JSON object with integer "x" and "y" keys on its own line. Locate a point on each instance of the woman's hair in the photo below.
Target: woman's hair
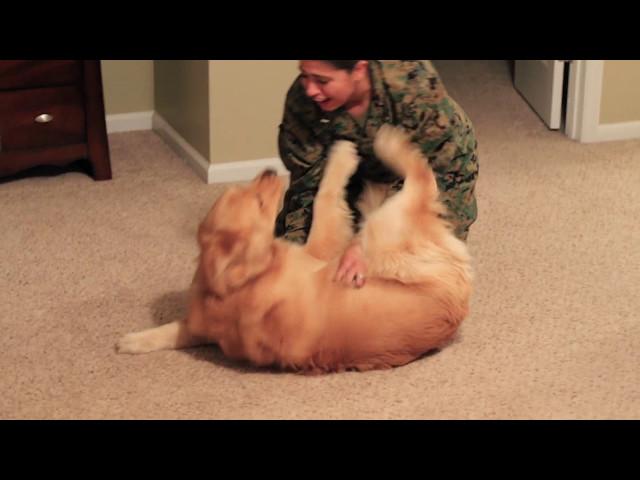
{"x": 343, "y": 64}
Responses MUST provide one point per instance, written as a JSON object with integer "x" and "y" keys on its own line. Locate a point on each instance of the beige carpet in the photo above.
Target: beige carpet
{"x": 554, "y": 331}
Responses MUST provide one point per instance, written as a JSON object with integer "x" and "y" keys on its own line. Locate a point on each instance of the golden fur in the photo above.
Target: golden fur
{"x": 273, "y": 302}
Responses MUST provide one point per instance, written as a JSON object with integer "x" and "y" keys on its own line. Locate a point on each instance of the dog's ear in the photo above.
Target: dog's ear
{"x": 252, "y": 260}
{"x": 229, "y": 260}
{"x": 216, "y": 252}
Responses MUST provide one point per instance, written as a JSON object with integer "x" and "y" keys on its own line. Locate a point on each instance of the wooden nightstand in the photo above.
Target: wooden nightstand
{"x": 52, "y": 113}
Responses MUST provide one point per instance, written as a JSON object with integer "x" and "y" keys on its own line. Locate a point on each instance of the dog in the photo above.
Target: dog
{"x": 275, "y": 303}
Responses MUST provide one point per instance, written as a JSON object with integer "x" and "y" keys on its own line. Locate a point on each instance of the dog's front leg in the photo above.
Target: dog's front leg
{"x": 331, "y": 228}
{"x": 170, "y": 336}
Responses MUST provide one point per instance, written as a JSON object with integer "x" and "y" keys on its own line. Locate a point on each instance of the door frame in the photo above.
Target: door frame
{"x": 584, "y": 99}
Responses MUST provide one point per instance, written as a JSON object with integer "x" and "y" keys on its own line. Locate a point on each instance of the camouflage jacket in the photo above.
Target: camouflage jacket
{"x": 405, "y": 93}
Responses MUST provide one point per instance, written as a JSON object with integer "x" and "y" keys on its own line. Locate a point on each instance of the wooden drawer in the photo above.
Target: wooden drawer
{"x": 18, "y": 74}
{"x": 19, "y": 109}
{"x": 70, "y": 92}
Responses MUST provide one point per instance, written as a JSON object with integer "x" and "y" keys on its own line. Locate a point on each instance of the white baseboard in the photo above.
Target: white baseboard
{"x": 240, "y": 171}
{"x": 244, "y": 170}
{"x": 190, "y": 155}
{"x": 617, "y": 131}
{"x": 126, "y": 122}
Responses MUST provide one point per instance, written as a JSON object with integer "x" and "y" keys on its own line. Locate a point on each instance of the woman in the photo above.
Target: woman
{"x": 350, "y": 100}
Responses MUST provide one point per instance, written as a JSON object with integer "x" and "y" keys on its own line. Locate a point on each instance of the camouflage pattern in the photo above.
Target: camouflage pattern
{"x": 404, "y": 93}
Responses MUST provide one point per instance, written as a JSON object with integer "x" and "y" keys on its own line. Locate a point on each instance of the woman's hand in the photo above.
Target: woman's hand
{"x": 352, "y": 269}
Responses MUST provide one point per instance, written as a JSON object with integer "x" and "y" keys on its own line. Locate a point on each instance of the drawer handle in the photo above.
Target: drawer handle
{"x": 44, "y": 118}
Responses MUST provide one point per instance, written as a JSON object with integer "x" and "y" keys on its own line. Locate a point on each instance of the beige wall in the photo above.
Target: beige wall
{"x": 247, "y": 102}
{"x": 620, "y": 91}
{"x": 182, "y": 99}
{"x": 228, "y": 110}
{"x": 127, "y": 85}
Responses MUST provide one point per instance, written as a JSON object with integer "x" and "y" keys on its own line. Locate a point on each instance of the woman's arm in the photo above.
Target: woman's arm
{"x": 304, "y": 155}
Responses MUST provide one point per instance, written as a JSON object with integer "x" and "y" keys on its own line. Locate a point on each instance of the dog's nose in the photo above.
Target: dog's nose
{"x": 270, "y": 172}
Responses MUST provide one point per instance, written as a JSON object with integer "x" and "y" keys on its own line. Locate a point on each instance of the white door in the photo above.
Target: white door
{"x": 540, "y": 83}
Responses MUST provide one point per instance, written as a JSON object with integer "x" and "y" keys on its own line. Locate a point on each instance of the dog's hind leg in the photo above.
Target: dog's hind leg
{"x": 331, "y": 229}
{"x": 170, "y": 336}
{"x": 396, "y": 238}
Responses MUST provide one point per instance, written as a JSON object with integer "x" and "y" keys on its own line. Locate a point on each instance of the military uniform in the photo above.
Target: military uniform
{"x": 409, "y": 94}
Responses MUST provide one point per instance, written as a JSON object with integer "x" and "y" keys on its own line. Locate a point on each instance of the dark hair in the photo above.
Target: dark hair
{"x": 343, "y": 64}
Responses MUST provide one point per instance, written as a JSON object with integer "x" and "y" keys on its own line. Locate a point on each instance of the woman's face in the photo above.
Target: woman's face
{"x": 328, "y": 86}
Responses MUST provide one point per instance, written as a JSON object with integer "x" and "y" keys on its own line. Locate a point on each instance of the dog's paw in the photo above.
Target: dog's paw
{"x": 343, "y": 159}
{"x": 133, "y": 343}
{"x": 390, "y": 142}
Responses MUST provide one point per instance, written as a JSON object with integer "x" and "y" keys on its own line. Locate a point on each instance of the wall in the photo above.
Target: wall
{"x": 247, "y": 102}
{"x": 182, "y": 99}
{"x": 228, "y": 110}
{"x": 128, "y": 86}
{"x": 620, "y": 91}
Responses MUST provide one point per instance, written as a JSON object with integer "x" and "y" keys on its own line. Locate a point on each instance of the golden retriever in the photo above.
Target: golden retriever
{"x": 276, "y": 303}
